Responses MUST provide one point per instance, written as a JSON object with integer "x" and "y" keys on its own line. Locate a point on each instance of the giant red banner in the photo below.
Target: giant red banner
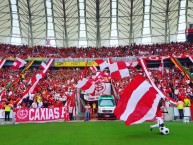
{"x": 40, "y": 114}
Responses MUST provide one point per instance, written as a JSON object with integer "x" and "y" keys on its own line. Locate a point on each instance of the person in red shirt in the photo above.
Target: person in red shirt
{"x": 160, "y": 122}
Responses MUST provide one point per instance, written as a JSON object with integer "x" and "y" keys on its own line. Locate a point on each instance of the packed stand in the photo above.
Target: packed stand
{"x": 24, "y": 52}
{"x": 51, "y": 90}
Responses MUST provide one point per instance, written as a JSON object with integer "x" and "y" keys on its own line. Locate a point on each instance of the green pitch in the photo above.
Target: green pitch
{"x": 94, "y": 133}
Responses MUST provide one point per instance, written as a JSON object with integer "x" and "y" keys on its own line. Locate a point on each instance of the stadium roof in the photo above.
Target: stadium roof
{"x": 66, "y": 23}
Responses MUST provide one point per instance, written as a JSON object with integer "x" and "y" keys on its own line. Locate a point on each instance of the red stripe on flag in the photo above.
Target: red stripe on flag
{"x": 87, "y": 85}
{"x": 2, "y": 63}
{"x": 125, "y": 96}
{"x": 116, "y": 75}
{"x": 143, "y": 106}
{"x": 138, "y": 102}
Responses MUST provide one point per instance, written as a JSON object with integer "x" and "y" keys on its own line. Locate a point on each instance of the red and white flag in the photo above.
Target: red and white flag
{"x": 138, "y": 102}
{"x": 18, "y": 63}
{"x": 2, "y": 94}
{"x": 42, "y": 65}
{"x": 41, "y": 74}
{"x": 191, "y": 58}
{"x": 132, "y": 64}
{"x": 48, "y": 64}
{"x": 86, "y": 85}
{"x": 161, "y": 67}
{"x": 100, "y": 75}
{"x": 93, "y": 68}
{"x": 118, "y": 70}
{"x": 2, "y": 63}
{"x": 35, "y": 78}
{"x": 109, "y": 60}
{"x": 28, "y": 92}
{"x": 102, "y": 64}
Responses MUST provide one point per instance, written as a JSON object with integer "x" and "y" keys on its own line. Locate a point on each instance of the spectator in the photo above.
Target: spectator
{"x": 180, "y": 105}
{"x": 87, "y": 111}
{"x": 40, "y": 104}
{"x": 7, "y": 109}
{"x": 187, "y": 101}
{"x": 93, "y": 107}
{"x": 70, "y": 110}
{"x": 45, "y": 104}
{"x": 34, "y": 104}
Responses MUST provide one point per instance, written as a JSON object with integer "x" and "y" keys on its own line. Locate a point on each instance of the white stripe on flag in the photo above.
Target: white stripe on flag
{"x": 134, "y": 99}
{"x": 103, "y": 65}
{"x": 113, "y": 67}
{"x": 124, "y": 73}
{"x": 191, "y": 58}
{"x": 49, "y": 63}
{"x": 138, "y": 102}
{"x": 22, "y": 62}
{"x": 86, "y": 86}
{"x": 150, "y": 114}
{"x": 2, "y": 63}
{"x": 81, "y": 83}
{"x": 43, "y": 65}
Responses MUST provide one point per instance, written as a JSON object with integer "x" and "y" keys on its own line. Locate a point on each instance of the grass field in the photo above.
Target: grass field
{"x": 94, "y": 133}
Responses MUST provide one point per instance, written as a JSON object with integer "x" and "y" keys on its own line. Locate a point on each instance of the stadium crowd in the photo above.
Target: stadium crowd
{"x": 24, "y": 52}
{"x": 53, "y": 89}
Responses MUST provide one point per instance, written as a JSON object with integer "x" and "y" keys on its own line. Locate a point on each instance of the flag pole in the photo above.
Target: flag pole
{"x": 84, "y": 71}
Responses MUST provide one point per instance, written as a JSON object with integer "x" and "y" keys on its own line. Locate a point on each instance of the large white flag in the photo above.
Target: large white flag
{"x": 138, "y": 102}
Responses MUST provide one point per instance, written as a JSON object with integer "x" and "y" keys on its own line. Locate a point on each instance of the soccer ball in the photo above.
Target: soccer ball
{"x": 164, "y": 130}
{"x": 186, "y": 120}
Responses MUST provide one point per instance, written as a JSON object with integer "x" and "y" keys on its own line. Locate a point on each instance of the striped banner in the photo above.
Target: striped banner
{"x": 19, "y": 78}
{"x": 28, "y": 65}
{"x": 181, "y": 68}
{"x": 15, "y": 82}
